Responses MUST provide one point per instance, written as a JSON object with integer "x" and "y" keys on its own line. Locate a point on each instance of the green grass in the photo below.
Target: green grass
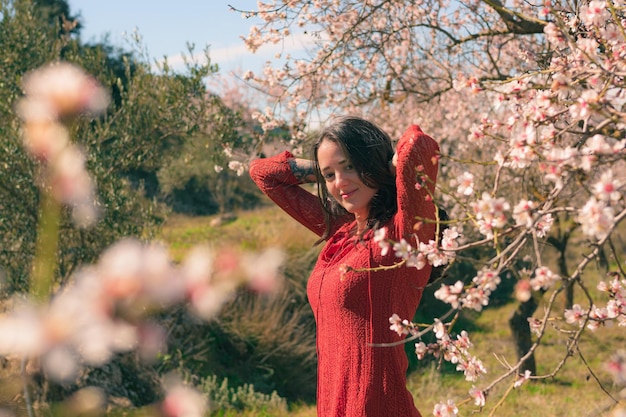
{"x": 251, "y": 230}
{"x": 574, "y": 390}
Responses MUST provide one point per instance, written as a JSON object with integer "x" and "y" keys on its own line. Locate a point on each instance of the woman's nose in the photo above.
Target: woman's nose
{"x": 340, "y": 179}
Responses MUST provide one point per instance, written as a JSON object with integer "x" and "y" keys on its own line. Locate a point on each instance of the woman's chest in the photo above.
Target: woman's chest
{"x": 341, "y": 281}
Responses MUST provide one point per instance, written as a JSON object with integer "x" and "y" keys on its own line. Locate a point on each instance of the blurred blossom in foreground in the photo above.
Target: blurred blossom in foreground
{"x": 182, "y": 401}
{"x": 53, "y": 95}
{"x": 106, "y": 307}
{"x": 617, "y": 367}
{"x": 65, "y": 90}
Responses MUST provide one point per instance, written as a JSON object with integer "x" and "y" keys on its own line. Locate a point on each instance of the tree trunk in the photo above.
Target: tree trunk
{"x": 520, "y": 329}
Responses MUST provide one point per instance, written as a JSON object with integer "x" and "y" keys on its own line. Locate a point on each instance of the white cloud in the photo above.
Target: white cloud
{"x": 238, "y": 56}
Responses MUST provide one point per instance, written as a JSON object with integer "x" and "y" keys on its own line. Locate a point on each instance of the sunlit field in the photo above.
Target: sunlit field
{"x": 577, "y": 389}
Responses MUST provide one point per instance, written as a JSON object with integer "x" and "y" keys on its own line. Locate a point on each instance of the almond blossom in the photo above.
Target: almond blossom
{"x": 446, "y": 409}
{"x": 450, "y": 293}
{"x": 65, "y": 89}
{"x": 402, "y": 249}
{"x": 543, "y": 279}
{"x": 598, "y": 316}
{"x": 522, "y": 290}
{"x": 401, "y": 326}
{"x": 465, "y": 184}
{"x": 616, "y": 365}
{"x": 472, "y": 367}
{"x": 541, "y": 126}
{"x": 522, "y": 213}
{"x": 106, "y": 308}
{"x": 575, "y": 315}
{"x": 54, "y": 93}
{"x": 595, "y": 218}
{"x": 380, "y": 236}
{"x": 182, "y": 401}
{"x": 521, "y": 379}
{"x": 595, "y": 13}
{"x": 478, "y": 396}
{"x": 608, "y": 188}
{"x": 490, "y": 213}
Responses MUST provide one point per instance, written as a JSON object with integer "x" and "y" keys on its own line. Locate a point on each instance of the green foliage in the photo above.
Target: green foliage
{"x": 150, "y": 124}
{"x": 197, "y": 180}
{"x": 223, "y": 398}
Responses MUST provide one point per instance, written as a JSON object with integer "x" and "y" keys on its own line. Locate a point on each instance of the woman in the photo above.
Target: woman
{"x": 359, "y": 190}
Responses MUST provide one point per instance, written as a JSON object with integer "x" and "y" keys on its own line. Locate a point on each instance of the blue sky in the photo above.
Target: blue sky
{"x": 166, "y": 26}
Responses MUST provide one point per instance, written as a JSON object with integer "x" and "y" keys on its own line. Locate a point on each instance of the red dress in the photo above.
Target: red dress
{"x": 352, "y": 310}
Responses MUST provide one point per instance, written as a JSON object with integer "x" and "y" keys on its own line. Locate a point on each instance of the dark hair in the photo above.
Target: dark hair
{"x": 370, "y": 151}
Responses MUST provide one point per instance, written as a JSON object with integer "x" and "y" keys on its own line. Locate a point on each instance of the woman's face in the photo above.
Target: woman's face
{"x": 342, "y": 180}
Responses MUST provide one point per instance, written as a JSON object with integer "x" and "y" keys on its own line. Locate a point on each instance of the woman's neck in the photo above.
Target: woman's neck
{"x": 361, "y": 224}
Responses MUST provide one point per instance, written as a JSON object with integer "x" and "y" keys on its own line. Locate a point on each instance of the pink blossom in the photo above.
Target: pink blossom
{"x": 523, "y": 290}
{"x": 44, "y": 140}
{"x": 439, "y": 329}
{"x": 472, "y": 368}
{"x": 60, "y": 364}
{"x": 420, "y": 350}
{"x": 582, "y": 109}
{"x": 262, "y": 270}
{"x": 523, "y": 213}
{"x": 575, "y": 315}
{"x": 465, "y": 184}
{"x": 447, "y": 409}
{"x": 450, "y": 242}
{"x": 401, "y": 327}
{"x": 237, "y": 166}
{"x": 490, "y": 213}
{"x": 66, "y": 89}
{"x": 596, "y": 218}
{"x": 476, "y": 134}
{"x": 596, "y": 13}
{"x": 450, "y": 293}
{"x": 597, "y": 144}
{"x": 478, "y": 396}
{"x": 543, "y": 225}
{"x": 615, "y": 287}
{"x": 72, "y": 185}
{"x": 434, "y": 255}
{"x": 608, "y": 188}
{"x": 614, "y": 308}
{"x": 535, "y": 325}
{"x": 380, "y": 236}
{"x": 23, "y": 332}
{"x": 463, "y": 342}
{"x": 521, "y": 379}
{"x": 598, "y": 316}
{"x": 402, "y": 249}
{"x": 617, "y": 367}
{"x": 476, "y": 298}
{"x": 544, "y": 278}
{"x": 487, "y": 279}
{"x": 183, "y": 401}
{"x": 554, "y": 34}
{"x": 416, "y": 260}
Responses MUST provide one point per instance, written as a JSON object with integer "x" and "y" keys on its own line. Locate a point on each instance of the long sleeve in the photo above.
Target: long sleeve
{"x": 416, "y": 174}
{"x": 274, "y": 177}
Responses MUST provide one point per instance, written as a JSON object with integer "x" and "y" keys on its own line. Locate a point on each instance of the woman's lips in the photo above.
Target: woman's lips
{"x": 347, "y": 194}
